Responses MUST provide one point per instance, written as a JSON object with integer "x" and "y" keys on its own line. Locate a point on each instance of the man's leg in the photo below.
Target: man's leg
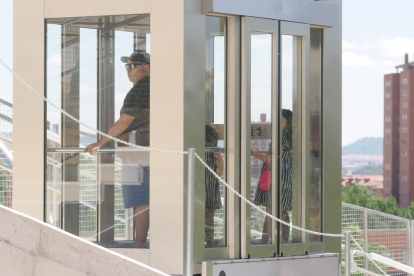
{"x": 141, "y": 225}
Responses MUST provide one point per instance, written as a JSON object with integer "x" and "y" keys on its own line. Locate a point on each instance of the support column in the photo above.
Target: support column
{"x": 331, "y": 129}
{"x": 106, "y": 170}
{"x": 28, "y": 113}
{"x": 167, "y": 132}
{"x": 178, "y": 74}
{"x": 70, "y": 129}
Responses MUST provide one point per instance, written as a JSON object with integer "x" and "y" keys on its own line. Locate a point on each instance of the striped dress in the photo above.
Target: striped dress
{"x": 286, "y": 175}
{"x": 212, "y": 186}
{"x": 264, "y": 198}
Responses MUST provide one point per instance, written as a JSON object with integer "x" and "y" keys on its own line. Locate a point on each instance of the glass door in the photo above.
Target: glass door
{"x": 293, "y": 134}
{"x": 259, "y": 87}
{"x": 275, "y": 143}
{"x": 102, "y": 197}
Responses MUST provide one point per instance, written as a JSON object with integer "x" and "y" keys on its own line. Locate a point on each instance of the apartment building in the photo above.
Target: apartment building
{"x": 398, "y": 128}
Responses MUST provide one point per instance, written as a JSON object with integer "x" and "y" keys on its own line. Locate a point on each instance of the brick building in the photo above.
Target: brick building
{"x": 398, "y": 128}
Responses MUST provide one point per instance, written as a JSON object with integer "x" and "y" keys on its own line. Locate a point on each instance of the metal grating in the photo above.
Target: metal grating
{"x": 380, "y": 233}
{"x": 6, "y": 153}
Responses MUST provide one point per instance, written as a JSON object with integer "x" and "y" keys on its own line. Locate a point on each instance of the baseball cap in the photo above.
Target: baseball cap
{"x": 139, "y": 55}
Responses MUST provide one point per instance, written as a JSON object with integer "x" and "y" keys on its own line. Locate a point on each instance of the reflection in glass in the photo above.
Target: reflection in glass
{"x": 215, "y": 136}
{"x": 54, "y": 119}
{"x": 261, "y": 118}
{"x": 88, "y": 210}
{"x": 315, "y": 134}
{"x": 53, "y": 189}
{"x": 88, "y": 82}
{"x": 290, "y": 188}
{"x": 86, "y": 76}
{"x": 124, "y": 44}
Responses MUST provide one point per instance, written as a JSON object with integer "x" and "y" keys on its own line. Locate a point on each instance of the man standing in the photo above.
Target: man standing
{"x": 135, "y": 165}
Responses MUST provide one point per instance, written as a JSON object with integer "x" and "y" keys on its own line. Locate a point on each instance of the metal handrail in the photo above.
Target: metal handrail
{"x": 6, "y": 118}
{"x": 101, "y": 150}
{"x": 375, "y": 212}
{"x": 407, "y": 226}
{"x": 114, "y": 150}
{"x": 6, "y": 103}
{"x": 384, "y": 260}
{"x": 5, "y": 139}
{"x": 2, "y": 167}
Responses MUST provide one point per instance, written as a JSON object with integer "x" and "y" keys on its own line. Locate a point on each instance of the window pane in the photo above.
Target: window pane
{"x": 215, "y": 136}
{"x": 290, "y": 188}
{"x": 124, "y": 44}
{"x": 88, "y": 84}
{"x": 85, "y": 74}
{"x": 54, "y": 119}
{"x": 88, "y": 224}
{"x": 54, "y": 83}
{"x": 315, "y": 200}
{"x": 261, "y": 119}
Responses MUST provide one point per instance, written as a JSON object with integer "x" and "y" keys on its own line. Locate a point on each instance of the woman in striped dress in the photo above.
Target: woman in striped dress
{"x": 212, "y": 186}
{"x": 264, "y": 198}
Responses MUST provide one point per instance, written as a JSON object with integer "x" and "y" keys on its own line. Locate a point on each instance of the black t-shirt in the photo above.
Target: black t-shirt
{"x": 137, "y": 102}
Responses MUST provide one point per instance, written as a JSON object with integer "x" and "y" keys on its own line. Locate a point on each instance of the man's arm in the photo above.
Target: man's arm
{"x": 115, "y": 130}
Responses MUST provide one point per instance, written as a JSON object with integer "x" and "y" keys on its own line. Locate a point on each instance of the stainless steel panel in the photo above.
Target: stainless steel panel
{"x": 312, "y": 265}
{"x": 302, "y": 11}
{"x": 250, "y": 25}
{"x": 331, "y": 129}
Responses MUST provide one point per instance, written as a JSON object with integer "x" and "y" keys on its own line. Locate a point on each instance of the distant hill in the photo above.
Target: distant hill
{"x": 365, "y": 146}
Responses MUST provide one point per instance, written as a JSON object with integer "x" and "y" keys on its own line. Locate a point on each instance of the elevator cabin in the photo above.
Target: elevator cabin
{"x": 254, "y": 87}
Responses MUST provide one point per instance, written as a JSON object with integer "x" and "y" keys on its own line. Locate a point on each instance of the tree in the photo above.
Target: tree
{"x": 361, "y": 196}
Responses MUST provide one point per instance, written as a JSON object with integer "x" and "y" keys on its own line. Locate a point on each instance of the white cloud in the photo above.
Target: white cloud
{"x": 388, "y": 63}
{"x": 353, "y": 60}
{"x": 389, "y": 51}
{"x": 85, "y": 71}
{"x": 348, "y": 45}
{"x": 54, "y": 60}
{"x": 86, "y": 89}
{"x": 397, "y": 47}
{"x": 261, "y": 42}
{"x": 369, "y": 46}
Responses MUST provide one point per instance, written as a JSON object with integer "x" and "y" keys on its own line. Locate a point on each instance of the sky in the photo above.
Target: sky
{"x": 376, "y": 35}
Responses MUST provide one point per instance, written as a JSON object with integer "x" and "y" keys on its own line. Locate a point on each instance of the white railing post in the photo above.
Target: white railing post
{"x": 190, "y": 213}
{"x": 411, "y": 244}
{"x": 366, "y": 236}
{"x": 348, "y": 253}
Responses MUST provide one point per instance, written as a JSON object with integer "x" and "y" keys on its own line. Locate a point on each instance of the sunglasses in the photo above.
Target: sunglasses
{"x": 133, "y": 65}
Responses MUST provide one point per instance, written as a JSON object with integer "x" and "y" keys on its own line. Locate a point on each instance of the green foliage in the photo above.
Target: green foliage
{"x": 372, "y": 248}
{"x": 361, "y": 196}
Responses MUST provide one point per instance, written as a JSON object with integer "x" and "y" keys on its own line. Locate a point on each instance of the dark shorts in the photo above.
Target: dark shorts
{"x": 136, "y": 195}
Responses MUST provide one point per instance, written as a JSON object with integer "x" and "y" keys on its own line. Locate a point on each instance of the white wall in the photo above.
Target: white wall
{"x": 31, "y": 247}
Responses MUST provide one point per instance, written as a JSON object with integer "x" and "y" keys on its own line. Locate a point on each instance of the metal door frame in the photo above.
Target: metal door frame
{"x": 303, "y": 31}
{"x": 271, "y": 27}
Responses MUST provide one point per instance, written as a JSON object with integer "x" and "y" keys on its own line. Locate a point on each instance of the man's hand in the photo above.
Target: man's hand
{"x": 92, "y": 148}
{"x": 115, "y": 130}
